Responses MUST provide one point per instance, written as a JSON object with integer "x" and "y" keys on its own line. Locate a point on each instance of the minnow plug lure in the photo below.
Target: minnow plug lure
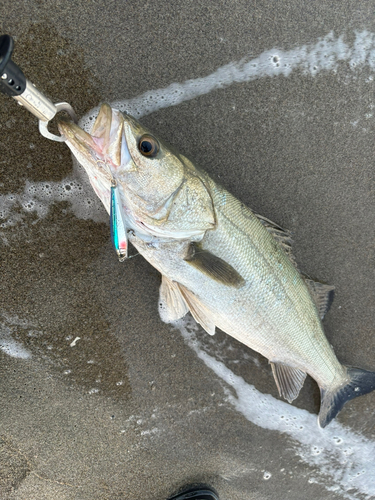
{"x": 118, "y": 225}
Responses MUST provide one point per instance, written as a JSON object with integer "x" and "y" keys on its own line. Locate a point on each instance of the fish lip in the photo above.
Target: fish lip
{"x": 76, "y": 136}
{"x": 87, "y": 151}
{"x": 104, "y": 150}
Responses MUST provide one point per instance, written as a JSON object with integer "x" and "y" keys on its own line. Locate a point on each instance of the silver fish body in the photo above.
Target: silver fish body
{"x": 229, "y": 267}
{"x": 273, "y": 311}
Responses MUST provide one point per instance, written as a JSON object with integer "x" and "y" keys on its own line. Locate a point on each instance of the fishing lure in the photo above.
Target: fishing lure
{"x": 118, "y": 225}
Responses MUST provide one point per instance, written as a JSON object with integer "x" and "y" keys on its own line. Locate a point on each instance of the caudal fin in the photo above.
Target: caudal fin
{"x": 360, "y": 382}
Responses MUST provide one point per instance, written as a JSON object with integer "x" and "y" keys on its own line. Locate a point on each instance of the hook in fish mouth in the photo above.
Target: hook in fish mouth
{"x": 106, "y": 143}
{"x": 102, "y": 152}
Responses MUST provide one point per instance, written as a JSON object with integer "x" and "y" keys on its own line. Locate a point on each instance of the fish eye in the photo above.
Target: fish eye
{"x": 148, "y": 146}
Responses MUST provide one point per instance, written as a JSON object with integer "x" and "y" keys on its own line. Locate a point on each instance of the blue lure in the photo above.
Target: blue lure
{"x": 118, "y": 226}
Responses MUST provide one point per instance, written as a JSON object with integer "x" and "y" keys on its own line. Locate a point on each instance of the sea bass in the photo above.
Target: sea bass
{"x": 232, "y": 269}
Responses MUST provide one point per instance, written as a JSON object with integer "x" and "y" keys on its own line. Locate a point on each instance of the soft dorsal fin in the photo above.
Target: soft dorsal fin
{"x": 200, "y": 313}
{"x": 282, "y": 236}
{"x": 289, "y": 380}
{"x": 213, "y": 266}
{"x": 322, "y": 295}
{"x": 172, "y": 305}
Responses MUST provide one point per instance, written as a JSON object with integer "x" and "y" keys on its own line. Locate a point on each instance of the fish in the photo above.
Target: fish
{"x": 229, "y": 267}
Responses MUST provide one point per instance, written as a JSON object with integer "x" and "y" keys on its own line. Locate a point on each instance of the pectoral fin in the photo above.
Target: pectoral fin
{"x": 200, "y": 313}
{"x": 172, "y": 305}
{"x": 289, "y": 380}
{"x": 213, "y": 266}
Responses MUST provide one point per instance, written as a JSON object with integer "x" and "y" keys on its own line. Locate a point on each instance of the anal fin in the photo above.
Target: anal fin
{"x": 172, "y": 305}
{"x": 200, "y": 313}
{"x": 289, "y": 380}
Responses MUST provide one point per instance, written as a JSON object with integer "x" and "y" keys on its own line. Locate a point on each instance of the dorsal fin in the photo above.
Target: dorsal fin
{"x": 322, "y": 295}
{"x": 213, "y": 266}
{"x": 172, "y": 305}
{"x": 231, "y": 209}
{"x": 282, "y": 236}
{"x": 200, "y": 313}
{"x": 289, "y": 380}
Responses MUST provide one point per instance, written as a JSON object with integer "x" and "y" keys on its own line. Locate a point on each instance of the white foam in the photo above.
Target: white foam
{"x": 14, "y": 348}
{"x": 344, "y": 458}
{"x": 7, "y": 343}
{"x": 37, "y": 197}
{"x": 324, "y": 55}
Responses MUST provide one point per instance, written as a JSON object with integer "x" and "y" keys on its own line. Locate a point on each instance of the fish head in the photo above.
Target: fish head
{"x": 159, "y": 188}
{"x": 118, "y": 148}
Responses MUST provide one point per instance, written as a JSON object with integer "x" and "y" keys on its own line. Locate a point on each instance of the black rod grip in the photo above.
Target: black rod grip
{"x": 12, "y": 79}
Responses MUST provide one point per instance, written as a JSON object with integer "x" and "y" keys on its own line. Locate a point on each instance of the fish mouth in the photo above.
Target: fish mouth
{"x": 104, "y": 149}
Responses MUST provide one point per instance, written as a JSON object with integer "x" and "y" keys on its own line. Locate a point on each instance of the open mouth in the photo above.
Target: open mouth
{"x": 106, "y": 144}
{"x": 101, "y": 152}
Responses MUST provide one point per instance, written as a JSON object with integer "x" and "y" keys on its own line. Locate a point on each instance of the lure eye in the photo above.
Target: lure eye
{"x": 148, "y": 146}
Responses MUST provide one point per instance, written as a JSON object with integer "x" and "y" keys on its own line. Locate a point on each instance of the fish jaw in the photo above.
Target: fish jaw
{"x": 103, "y": 153}
{"x": 156, "y": 190}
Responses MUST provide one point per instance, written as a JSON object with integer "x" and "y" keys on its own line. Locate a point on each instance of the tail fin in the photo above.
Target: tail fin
{"x": 360, "y": 382}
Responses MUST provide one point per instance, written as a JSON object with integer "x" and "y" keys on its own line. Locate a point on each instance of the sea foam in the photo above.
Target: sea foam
{"x": 325, "y": 55}
{"x": 343, "y": 460}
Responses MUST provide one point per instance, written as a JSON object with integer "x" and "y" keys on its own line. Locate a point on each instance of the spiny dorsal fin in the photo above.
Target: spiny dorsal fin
{"x": 172, "y": 305}
{"x": 213, "y": 266}
{"x": 282, "y": 236}
{"x": 289, "y": 380}
{"x": 322, "y": 295}
{"x": 200, "y": 313}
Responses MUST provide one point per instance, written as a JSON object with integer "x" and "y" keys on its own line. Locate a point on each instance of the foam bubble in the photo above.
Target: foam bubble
{"x": 37, "y": 197}
{"x": 7, "y": 343}
{"x": 344, "y": 458}
{"x": 14, "y": 349}
{"x": 325, "y": 55}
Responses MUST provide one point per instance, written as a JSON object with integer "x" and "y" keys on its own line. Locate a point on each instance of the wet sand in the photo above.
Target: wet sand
{"x": 129, "y": 410}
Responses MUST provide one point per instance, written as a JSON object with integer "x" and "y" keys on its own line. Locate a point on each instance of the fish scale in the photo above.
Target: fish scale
{"x": 232, "y": 269}
{"x": 296, "y": 303}
{"x": 254, "y": 315}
